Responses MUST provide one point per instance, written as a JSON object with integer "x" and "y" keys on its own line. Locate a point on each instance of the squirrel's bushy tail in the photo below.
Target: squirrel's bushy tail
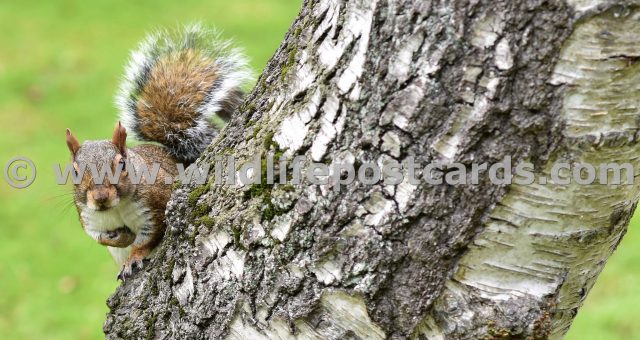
{"x": 175, "y": 83}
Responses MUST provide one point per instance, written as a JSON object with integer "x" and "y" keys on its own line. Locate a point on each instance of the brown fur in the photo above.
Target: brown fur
{"x": 72, "y": 143}
{"x": 119, "y": 139}
{"x": 176, "y": 86}
{"x": 154, "y": 197}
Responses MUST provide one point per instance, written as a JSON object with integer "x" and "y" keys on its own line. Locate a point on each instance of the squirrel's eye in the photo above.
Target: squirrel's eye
{"x": 123, "y": 165}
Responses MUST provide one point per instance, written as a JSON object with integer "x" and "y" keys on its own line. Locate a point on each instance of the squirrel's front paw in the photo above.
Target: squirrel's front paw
{"x": 120, "y": 238}
{"x": 134, "y": 262}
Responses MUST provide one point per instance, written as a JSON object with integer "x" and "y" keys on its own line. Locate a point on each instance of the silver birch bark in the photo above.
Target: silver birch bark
{"x": 443, "y": 81}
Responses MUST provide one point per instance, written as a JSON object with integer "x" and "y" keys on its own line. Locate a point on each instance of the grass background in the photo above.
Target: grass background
{"x": 60, "y": 63}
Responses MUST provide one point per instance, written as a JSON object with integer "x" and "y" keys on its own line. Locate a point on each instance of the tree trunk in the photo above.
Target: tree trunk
{"x": 441, "y": 81}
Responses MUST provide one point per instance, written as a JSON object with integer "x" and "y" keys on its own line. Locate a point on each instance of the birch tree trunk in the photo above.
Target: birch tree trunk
{"x": 360, "y": 81}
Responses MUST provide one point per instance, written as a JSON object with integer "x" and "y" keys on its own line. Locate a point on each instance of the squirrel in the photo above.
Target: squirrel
{"x": 174, "y": 83}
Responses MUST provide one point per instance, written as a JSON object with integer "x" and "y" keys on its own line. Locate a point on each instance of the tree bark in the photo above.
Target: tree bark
{"x": 441, "y": 81}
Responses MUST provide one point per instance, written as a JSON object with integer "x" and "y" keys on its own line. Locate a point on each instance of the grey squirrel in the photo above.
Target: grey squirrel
{"x": 174, "y": 83}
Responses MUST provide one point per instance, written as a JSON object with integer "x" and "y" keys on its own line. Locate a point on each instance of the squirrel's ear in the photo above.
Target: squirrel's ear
{"x": 119, "y": 138}
{"x": 72, "y": 143}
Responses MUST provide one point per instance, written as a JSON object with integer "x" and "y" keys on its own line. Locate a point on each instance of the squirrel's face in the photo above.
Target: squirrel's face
{"x": 106, "y": 159}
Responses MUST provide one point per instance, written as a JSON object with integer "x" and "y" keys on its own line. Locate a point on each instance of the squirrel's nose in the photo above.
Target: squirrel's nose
{"x": 101, "y": 195}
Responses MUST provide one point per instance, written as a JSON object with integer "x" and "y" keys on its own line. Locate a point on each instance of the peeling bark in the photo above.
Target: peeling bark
{"x": 373, "y": 81}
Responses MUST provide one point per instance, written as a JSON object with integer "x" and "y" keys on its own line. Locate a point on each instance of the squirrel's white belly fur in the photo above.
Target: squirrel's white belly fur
{"x": 127, "y": 213}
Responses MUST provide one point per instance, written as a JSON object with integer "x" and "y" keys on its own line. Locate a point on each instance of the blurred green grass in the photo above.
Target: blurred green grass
{"x": 60, "y": 62}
